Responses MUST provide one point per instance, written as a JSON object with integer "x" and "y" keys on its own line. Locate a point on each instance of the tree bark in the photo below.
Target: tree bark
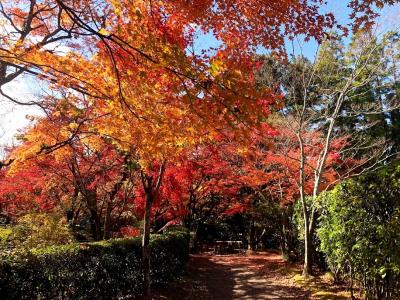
{"x": 151, "y": 193}
{"x": 107, "y": 221}
{"x": 284, "y": 240}
{"x": 145, "y": 246}
{"x": 252, "y": 238}
{"x": 95, "y": 224}
{"x": 307, "y": 269}
{"x": 109, "y": 205}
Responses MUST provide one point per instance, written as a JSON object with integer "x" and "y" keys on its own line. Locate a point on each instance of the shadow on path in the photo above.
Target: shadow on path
{"x": 260, "y": 276}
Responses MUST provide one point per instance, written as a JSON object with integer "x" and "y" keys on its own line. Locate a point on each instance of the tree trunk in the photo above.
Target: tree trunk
{"x": 284, "y": 240}
{"x": 190, "y": 208}
{"x": 252, "y": 238}
{"x": 146, "y": 248}
{"x": 95, "y": 224}
{"x": 307, "y": 269}
{"x": 91, "y": 200}
{"x": 113, "y": 194}
{"x": 151, "y": 193}
{"x": 107, "y": 221}
{"x": 351, "y": 283}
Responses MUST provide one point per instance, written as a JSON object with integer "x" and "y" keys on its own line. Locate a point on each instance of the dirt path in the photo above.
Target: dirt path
{"x": 260, "y": 276}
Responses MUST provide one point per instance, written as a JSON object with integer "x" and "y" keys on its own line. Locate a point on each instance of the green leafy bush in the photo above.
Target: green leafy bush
{"x": 5, "y": 233}
{"x": 38, "y": 231}
{"x": 360, "y": 231}
{"x": 100, "y": 270}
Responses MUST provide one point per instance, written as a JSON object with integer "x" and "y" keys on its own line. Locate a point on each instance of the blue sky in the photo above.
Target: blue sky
{"x": 389, "y": 19}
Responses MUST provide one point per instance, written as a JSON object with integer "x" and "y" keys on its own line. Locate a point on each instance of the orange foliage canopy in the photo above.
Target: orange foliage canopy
{"x": 128, "y": 72}
{"x": 131, "y": 64}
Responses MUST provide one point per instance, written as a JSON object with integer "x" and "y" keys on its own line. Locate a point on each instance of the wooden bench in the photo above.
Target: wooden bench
{"x": 228, "y": 247}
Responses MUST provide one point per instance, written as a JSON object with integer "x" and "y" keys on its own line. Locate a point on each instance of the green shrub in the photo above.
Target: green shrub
{"x": 5, "y": 244}
{"x": 5, "y": 233}
{"x": 360, "y": 231}
{"x": 100, "y": 270}
{"x": 36, "y": 231}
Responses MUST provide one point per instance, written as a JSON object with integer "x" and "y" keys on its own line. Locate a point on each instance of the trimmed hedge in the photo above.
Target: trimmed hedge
{"x": 100, "y": 270}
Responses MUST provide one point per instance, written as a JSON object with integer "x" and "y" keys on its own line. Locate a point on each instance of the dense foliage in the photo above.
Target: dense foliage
{"x": 339, "y": 118}
{"x": 36, "y": 231}
{"x": 143, "y": 128}
{"x": 100, "y": 270}
{"x": 360, "y": 231}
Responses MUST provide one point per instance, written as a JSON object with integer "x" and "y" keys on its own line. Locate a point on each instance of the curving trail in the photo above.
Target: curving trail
{"x": 259, "y": 276}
